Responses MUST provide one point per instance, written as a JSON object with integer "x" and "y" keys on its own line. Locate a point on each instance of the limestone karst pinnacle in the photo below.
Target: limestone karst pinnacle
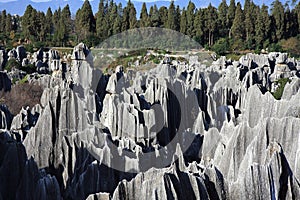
{"x": 177, "y": 131}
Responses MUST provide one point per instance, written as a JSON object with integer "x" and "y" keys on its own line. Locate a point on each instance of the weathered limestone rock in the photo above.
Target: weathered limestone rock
{"x": 5, "y": 82}
{"x": 20, "y": 178}
{"x": 21, "y": 53}
{"x": 2, "y": 59}
{"x": 177, "y": 131}
{"x": 5, "y": 118}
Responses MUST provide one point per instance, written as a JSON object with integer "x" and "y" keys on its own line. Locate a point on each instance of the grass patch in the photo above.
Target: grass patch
{"x": 281, "y": 84}
{"x": 233, "y": 56}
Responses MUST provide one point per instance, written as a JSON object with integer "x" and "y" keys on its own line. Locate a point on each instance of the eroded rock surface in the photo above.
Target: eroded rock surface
{"x": 177, "y": 131}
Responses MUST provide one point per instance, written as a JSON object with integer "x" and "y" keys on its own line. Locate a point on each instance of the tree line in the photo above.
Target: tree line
{"x": 227, "y": 27}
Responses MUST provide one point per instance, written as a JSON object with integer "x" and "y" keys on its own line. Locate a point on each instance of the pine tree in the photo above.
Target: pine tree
{"x": 35, "y": 24}
{"x": 101, "y": 22}
{"x": 154, "y": 17}
{"x": 177, "y": 18}
{"x": 290, "y": 22}
{"x": 190, "y": 15}
{"x": 111, "y": 17}
{"x": 118, "y": 20}
{"x": 27, "y": 23}
{"x": 222, "y": 18}
{"x": 8, "y": 24}
{"x": 3, "y": 18}
{"x": 77, "y": 24}
{"x": 211, "y": 17}
{"x": 231, "y": 15}
{"x": 144, "y": 18}
{"x": 163, "y": 16}
{"x": 49, "y": 22}
{"x": 87, "y": 20}
{"x": 1, "y": 22}
{"x": 250, "y": 18}
{"x": 297, "y": 13}
{"x": 171, "y": 21}
{"x": 132, "y": 15}
{"x": 125, "y": 19}
{"x": 238, "y": 28}
{"x": 277, "y": 11}
{"x": 199, "y": 26}
{"x": 117, "y": 25}
{"x": 262, "y": 28}
{"x": 63, "y": 26}
{"x": 57, "y": 36}
{"x": 183, "y": 22}
{"x": 41, "y": 26}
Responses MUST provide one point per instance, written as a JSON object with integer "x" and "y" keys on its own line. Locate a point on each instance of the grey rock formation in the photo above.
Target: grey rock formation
{"x": 12, "y": 54}
{"x": 81, "y": 52}
{"x": 21, "y": 53}
{"x": 5, "y": 82}
{"x": 5, "y": 118}
{"x": 20, "y": 178}
{"x": 177, "y": 131}
{"x": 2, "y": 58}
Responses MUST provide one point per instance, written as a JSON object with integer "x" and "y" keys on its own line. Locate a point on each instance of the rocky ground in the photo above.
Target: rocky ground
{"x": 177, "y": 131}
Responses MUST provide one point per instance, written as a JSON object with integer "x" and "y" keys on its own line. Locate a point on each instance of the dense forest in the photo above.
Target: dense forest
{"x": 232, "y": 27}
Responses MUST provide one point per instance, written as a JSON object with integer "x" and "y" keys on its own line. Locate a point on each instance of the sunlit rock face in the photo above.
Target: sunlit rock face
{"x": 176, "y": 131}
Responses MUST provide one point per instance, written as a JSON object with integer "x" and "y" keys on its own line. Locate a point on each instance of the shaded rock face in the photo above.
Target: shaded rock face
{"x": 2, "y": 58}
{"x": 20, "y": 177}
{"x": 177, "y": 131}
{"x": 5, "y": 82}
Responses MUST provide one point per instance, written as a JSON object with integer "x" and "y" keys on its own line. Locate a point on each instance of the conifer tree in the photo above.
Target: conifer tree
{"x": 49, "y": 22}
{"x": 3, "y": 20}
{"x": 132, "y": 15}
{"x": 199, "y": 26}
{"x": 144, "y": 18}
{"x": 101, "y": 24}
{"x": 171, "y": 21}
{"x": 262, "y": 27}
{"x": 190, "y": 15}
{"x": 87, "y": 20}
{"x": 163, "y": 16}
{"x": 231, "y": 15}
{"x": 211, "y": 17}
{"x": 238, "y": 28}
{"x": 183, "y": 22}
{"x": 27, "y": 23}
{"x": 277, "y": 11}
{"x": 250, "y": 18}
{"x": 8, "y": 24}
{"x": 154, "y": 17}
{"x": 222, "y": 18}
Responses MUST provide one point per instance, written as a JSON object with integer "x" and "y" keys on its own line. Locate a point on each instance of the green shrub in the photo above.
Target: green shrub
{"x": 12, "y": 63}
{"x": 24, "y": 80}
{"x": 281, "y": 84}
{"x": 221, "y": 46}
{"x": 14, "y": 81}
{"x": 275, "y": 47}
{"x": 29, "y": 69}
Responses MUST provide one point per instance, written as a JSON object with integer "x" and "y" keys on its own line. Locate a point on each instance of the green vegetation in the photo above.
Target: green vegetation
{"x": 221, "y": 46}
{"x": 12, "y": 64}
{"x": 281, "y": 84}
{"x": 224, "y": 29}
{"x": 15, "y": 64}
{"x": 24, "y": 80}
{"x": 29, "y": 69}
